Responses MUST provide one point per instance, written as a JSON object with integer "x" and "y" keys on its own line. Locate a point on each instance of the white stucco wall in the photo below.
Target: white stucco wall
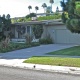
{"x": 60, "y": 34}
{"x": 16, "y": 33}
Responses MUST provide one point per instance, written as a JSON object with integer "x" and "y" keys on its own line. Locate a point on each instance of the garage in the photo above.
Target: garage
{"x": 60, "y": 34}
{"x": 65, "y": 36}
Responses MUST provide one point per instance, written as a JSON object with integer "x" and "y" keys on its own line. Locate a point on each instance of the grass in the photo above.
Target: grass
{"x": 73, "y": 62}
{"x": 73, "y": 51}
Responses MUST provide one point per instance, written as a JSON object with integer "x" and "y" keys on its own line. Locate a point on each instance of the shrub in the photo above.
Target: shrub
{"x": 51, "y": 17}
{"x": 73, "y": 25}
{"x": 37, "y": 30}
{"x": 17, "y": 46}
{"x": 5, "y": 43}
{"x": 35, "y": 44}
{"x": 28, "y": 38}
{"x": 46, "y": 41}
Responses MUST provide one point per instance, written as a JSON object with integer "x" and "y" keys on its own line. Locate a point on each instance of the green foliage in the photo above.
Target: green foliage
{"x": 63, "y": 5}
{"x": 28, "y": 17}
{"x": 17, "y": 46}
{"x": 35, "y": 44}
{"x": 5, "y": 23}
{"x": 21, "y": 20}
{"x": 77, "y": 10}
{"x": 68, "y": 24}
{"x": 31, "y": 15}
{"x": 37, "y": 30}
{"x": 65, "y": 16}
{"x": 46, "y": 40}
{"x": 51, "y": 17}
{"x": 72, "y": 19}
{"x": 51, "y": 1}
{"x": 29, "y": 7}
{"x": 73, "y": 25}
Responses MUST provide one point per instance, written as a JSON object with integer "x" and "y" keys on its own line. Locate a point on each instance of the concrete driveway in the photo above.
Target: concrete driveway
{"x": 34, "y": 51}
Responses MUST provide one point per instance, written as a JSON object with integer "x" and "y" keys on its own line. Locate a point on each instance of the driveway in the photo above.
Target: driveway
{"x": 34, "y": 51}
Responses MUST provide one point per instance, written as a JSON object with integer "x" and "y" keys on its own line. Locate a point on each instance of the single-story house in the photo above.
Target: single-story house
{"x": 55, "y": 28}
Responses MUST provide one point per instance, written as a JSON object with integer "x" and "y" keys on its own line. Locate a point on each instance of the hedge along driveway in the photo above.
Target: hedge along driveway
{"x": 34, "y": 51}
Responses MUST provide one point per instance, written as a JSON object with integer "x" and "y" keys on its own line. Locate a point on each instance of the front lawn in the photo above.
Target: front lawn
{"x": 17, "y": 46}
{"x": 73, "y": 62}
{"x": 73, "y": 51}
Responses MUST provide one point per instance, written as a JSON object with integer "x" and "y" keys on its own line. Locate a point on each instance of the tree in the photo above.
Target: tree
{"x": 63, "y": 5}
{"x": 5, "y": 23}
{"x": 38, "y": 30}
{"x": 57, "y": 9}
{"x": 31, "y": 15}
{"x": 29, "y": 7}
{"x": 51, "y": 1}
{"x": 8, "y": 16}
{"x": 71, "y": 15}
{"x": 49, "y": 10}
{"x": 36, "y": 8}
{"x": 44, "y": 7}
{"x": 3, "y": 16}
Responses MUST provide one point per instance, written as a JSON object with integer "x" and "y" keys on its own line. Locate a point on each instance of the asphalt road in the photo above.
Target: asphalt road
{"x": 8, "y": 73}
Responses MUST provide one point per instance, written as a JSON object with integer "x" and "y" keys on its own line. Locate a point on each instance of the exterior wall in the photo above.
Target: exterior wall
{"x": 13, "y": 30}
{"x": 22, "y": 36}
{"x": 44, "y": 35}
{"x": 57, "y": 31}
{"x": 65, "y": 36}
{"x": 60, "y": 34}
{"x": 16, "y": 33}
{"x": 51, "y": 30}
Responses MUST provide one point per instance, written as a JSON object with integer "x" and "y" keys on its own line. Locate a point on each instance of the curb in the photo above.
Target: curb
{"x": 60, "y": 69}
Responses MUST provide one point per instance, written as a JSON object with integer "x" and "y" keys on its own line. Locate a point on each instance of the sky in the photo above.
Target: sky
{"x": 19, "y": 8}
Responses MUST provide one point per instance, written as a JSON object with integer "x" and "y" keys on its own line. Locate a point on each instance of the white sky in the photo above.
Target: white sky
{"x": 19, "y": 8}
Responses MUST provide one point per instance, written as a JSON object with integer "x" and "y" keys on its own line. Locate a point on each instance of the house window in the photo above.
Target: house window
{"x": 28, "y": 29}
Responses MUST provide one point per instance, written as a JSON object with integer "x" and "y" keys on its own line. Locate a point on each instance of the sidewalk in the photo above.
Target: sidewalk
{"x": 19, "y": 64}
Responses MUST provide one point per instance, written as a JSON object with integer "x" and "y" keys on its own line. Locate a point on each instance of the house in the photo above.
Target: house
{"x": 55, "y": 28}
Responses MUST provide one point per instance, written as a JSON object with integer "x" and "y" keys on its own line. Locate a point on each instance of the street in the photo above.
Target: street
{"x": 10, "y": 73}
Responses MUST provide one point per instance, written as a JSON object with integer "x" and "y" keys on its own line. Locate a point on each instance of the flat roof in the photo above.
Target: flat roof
{"x": 43, "y": 22}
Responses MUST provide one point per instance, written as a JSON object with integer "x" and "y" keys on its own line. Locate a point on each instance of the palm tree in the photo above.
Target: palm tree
{"x": 8, "y": 16}
{"x": 36, "y": 8}
{"x": 44, "y": 6}
{"x": 57, "y": 9}
{"x": 29, "y": 7}
{"x": 51, "y": 1}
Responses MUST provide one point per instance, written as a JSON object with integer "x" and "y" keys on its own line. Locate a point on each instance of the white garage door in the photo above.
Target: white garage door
{"x": 65, "y": 36}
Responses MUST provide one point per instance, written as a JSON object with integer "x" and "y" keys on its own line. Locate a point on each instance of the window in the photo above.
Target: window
{"x": 28, "y": 29}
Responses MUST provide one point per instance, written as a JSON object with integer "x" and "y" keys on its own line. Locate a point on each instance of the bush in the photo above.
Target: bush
{"x": 35, "y": 44}
{"x": 73, "y": 25}
{"x": 51, "y": 17}
{"x": 17, "y": 46}
{"x": 45, "y": 41}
